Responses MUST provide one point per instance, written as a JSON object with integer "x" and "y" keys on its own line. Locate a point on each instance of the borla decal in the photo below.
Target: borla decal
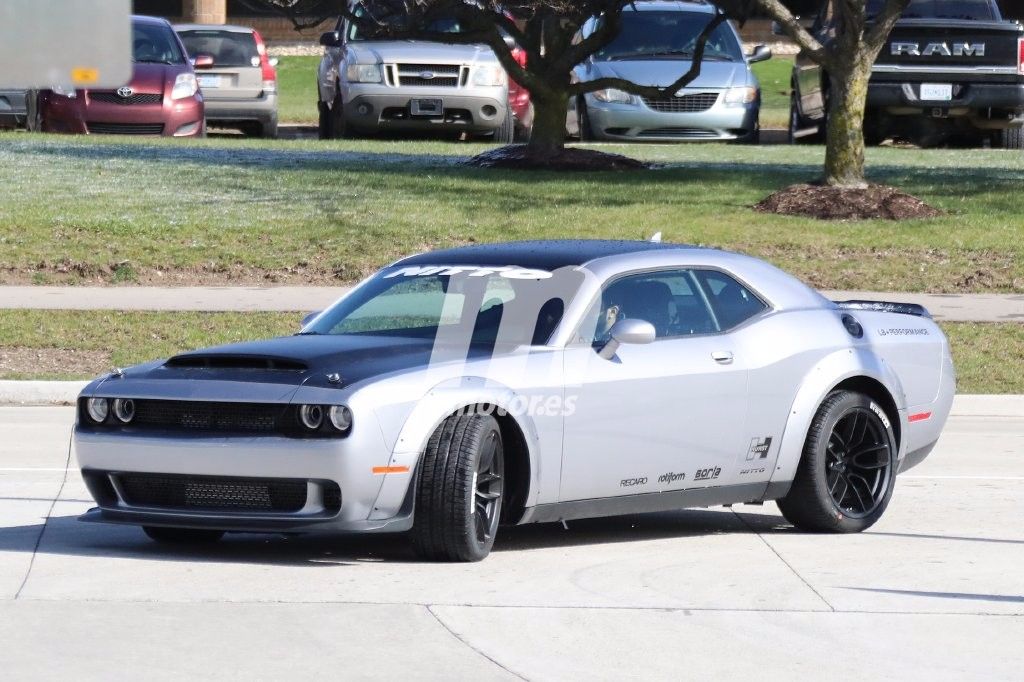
{"x": 759, "y": 448}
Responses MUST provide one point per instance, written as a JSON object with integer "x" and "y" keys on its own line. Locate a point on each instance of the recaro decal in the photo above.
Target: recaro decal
{"x": 506, "y": 271}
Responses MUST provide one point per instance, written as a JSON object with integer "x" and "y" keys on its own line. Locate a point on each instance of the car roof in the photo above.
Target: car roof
{"x": 143, "y": 19}
{"x": 543, "y": 254}
{"x": 670, "y": 6}
{"x": 214, "y": 27}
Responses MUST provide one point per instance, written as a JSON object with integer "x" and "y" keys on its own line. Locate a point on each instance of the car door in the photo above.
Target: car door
{"x": 662, "y": 416}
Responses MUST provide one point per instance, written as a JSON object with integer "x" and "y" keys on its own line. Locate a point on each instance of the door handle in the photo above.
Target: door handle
{"x": 722, "y": 357}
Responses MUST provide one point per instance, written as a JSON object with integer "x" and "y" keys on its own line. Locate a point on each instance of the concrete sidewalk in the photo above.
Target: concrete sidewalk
{"x": 947, "y": 307}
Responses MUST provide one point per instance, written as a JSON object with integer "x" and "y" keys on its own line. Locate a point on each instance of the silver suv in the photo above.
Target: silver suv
{"x": 366, "y": 84}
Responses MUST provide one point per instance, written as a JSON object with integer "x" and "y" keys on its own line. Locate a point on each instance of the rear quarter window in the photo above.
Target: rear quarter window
{"x": 732, "y": 303}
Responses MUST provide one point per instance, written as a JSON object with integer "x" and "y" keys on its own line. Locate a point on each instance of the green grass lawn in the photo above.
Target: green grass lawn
{"x": 297, "y": 90}
{"x": 296, "y": 85}
{"x": 81, "y": 344}
{"x": 774, "y": 76}
{"x": 111, "y": 210}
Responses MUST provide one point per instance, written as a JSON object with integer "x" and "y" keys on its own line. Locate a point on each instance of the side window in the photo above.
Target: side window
{"x": 731, "y": 302}
{"x": 670, "y": 300}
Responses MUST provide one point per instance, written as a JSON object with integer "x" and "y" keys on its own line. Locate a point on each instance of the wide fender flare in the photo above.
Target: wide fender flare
{"x": 431, "y": 410}
{"x": 831, "y": 371}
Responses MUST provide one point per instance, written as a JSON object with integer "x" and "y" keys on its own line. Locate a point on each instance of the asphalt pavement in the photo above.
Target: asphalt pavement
{"x": 949, "y": 307}
{"x": 933, "y": 591}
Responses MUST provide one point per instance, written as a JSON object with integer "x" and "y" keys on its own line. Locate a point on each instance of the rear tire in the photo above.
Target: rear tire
{"x": 846, "y": 474}
{"x": 182, "y": 536}
{"x": 459, "y": 490}
{"x": 1010, "y": 138}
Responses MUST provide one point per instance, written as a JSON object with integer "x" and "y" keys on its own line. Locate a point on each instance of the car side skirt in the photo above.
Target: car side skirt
{"x": 653, "y": 502}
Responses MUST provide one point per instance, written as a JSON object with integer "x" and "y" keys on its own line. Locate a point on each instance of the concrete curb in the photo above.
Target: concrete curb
{"x": 41, "y": 393}
{"x": 13, "y": 393}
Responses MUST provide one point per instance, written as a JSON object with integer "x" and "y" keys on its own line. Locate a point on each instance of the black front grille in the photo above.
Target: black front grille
{"x": 126, "y": 128}
{"x": 214, "y": 493}
{"x": 208, "y": 416}
{"x": 686, "y": 104}
{"x": 114, "y": 98}
{"x": 439, "y": 82}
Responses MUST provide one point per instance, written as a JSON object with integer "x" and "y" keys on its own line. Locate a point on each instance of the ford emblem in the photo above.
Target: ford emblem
{"x": 125, "y": 92}
{"x": 427, "y": 75}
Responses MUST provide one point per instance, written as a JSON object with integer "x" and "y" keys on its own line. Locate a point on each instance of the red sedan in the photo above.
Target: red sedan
{"x": 163, "y": 97}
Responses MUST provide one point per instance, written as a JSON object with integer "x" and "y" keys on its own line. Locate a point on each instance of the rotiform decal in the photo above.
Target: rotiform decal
{"x": 671, "y": 477}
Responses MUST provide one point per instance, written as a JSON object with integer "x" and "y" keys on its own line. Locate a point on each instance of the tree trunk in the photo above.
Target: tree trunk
{"x": 549, "y": 112}
{"x": 844, "y": 143}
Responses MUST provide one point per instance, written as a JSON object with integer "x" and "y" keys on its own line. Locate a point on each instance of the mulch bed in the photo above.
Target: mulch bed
{"x": 517, "y": 157}
{"x": 874, "y": 202}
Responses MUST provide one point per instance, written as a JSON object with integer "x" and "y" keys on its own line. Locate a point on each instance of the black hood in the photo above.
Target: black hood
{"x": 301, "y": 359}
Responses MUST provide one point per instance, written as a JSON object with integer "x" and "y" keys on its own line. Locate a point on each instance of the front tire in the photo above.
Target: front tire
{"x": 586, "y": 131}
{"x": 182, "y": 536}
{"x": 506, "y": 134}
{"x": 846, "y": 474}
{"x": 459, "y": 490}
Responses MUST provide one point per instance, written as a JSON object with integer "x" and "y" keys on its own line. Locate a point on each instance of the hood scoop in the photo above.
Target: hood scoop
{"x": 219, "y": 361}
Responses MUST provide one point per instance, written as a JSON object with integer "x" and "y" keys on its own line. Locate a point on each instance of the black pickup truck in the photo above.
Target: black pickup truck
{"x": 952, "y": 72}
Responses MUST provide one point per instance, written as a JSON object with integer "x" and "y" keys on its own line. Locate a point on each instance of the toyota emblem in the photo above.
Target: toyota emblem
{"x": 125, "y": 92}
{"x": 427, "y": 75}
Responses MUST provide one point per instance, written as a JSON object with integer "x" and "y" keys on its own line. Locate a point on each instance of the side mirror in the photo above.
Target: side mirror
{"x": 273, "y": 61}
{"x": 309, "y": 318}
{"x": 203, "y": 61}
{"x": 761, "y": 53}
{"x": 510, "y": 42}
{"x": 330, "y": 39}
{"x": 627, "y": 331}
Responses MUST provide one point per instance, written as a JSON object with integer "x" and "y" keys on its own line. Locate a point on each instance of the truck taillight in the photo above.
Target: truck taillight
{"x": 269, "y": 73}
{"x": 1020, "y": 56}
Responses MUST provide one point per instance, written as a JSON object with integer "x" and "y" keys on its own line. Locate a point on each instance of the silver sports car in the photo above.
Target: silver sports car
{"x": 460, "y": 390}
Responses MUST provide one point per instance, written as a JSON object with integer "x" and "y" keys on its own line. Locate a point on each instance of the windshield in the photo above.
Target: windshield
{"x": 358, "y": 33}
{"x": 972, "y": 10}
{"x": 228, "y": 48}
{"x": 454, "y": 303}
{"x": 155, "y": 43}
{"x": 669, "y": 35}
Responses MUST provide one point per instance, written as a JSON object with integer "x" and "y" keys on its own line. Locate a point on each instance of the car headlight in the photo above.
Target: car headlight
{"x": 740, "y": 96}
{"x": 489, "y": 76}
{"x": 341, "y": 417}
{"x": 612, "y": 95}
{"x": 124, "y": 409}
{"x": 311, "y": 416}
{"x": 63, "y": 91}
{"x": 363, "y": 73}
{"x": 97, "y": 409}
{"x": 185, "y": 85}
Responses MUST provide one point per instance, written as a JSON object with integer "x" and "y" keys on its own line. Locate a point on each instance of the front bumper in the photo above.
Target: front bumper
{"x": 262, "y": 108}
{"x": 638, "y": 122}
{"x": 342, "y": 491}
{"x": 80, "y": 115}
{"x": 377, "y": 107}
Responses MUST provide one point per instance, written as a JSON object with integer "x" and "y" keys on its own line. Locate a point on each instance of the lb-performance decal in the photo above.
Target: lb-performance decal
{"x": 904, "y": 331}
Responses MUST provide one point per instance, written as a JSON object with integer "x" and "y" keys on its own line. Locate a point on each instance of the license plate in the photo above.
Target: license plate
{"x": 210, "y": 81}
{"x": 427, "y": 107}
{"x": 936, "y": 92}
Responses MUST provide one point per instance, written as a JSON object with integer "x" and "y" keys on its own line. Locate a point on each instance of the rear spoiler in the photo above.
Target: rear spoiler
{"x": 885, "y": 307}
